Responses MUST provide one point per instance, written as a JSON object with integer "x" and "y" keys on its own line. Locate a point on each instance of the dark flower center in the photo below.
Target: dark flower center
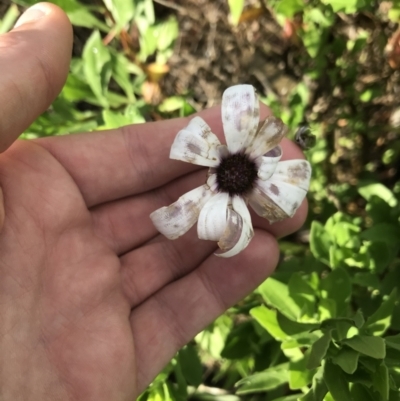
{"x": 236, "y": 174}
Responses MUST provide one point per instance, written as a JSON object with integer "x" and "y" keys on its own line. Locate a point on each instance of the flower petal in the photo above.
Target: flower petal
{"x": 268, "y": 137}
{"x": 240, "y": 111}
{"x": 295, "y": 172}
{"x": 276, "y": 200}
{"x": 212, "y": 182}
{"x": 268, "y": 163}
{"x": 238, "y": 231}
{"x": 213, "y": 216}
{"x": 176, "y": 219}
{"x": 196, "y": 144}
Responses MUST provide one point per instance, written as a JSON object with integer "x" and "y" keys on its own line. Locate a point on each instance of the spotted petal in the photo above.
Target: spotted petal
{"x": 269, "y": 135}
{"x": 295, "y": 172}
{"x": 240, "y": 114}
{"x": 267, "y": 164}
{"x": 239, "y": 230}
{"x": 196, "y": 144}
{"x": 176, "y": 219}
{"x": 276, "y": 200}
{"x": 212, "y": 219}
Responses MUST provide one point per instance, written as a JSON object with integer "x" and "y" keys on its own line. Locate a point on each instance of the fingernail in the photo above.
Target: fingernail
{"x": 31, "y": 14}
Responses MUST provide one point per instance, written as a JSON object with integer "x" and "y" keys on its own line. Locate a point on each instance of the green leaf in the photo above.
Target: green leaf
{"x": 276, "y": 294}
{"x": 268, "y": 319}
{"x": 383, "y": 232}
{"x": 120, "y": 72}
{"x": 378, "y": 190}
{"x": 361, "y": 393}
{"x": 9, "y": 18}
{"x": 318, "y": 389}
{"x": 318, "y": 350}
{"x": 338, "y": 278}
{"x": 320, "y": 242}
{"x": 235, "y": 8}
{"x": 380, "y": 382}
{"x": 299, "y": 375}
{"x": 291, "y": 327}
{"x": 302, "y": 293}
{"x": 393, "y": 341}
{"x": 367, "y": 345}
{"x": 241, "y": 341}
{"x": 264, "y": 381}
{"x": 172, "y": 103}
{"x": 347, "y": 359}
{"x": 191, "y": 365}
{"x": 121, "y": 10}
{"x": 97, "y": 66}
{"x": 348, "y": 6}
{"x": 380, "y": 320}
{"x": 336, "y": 382}
{"x": 289, "y": 8}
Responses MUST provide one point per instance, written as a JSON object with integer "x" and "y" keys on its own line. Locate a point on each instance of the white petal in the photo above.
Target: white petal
{"x": 240, "y": 115}
{"x": 196, "y": 144}
{"x": 212, "y": 182}
{"x": 176, "y": 219}
{"x": 268, "y": 163}
{"x": 276, "y": 200}
{"x": 239, "y": 230}
{"x": 213, "y": 216}
{"x": 295, "y": 172}
{"x": 268, "y": 137}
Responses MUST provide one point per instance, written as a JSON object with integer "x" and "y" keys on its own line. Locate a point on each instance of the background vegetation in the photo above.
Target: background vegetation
{"x": 326, "y": 326}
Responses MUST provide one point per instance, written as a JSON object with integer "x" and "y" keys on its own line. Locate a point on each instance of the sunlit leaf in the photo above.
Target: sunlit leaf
{"x": 367, "y": 345}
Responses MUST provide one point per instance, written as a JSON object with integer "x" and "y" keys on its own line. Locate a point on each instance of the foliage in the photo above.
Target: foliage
{"x": 326, "y": 325}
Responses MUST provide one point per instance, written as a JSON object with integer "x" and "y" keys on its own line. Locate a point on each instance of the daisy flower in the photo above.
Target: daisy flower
{"x": 245, "y": 171}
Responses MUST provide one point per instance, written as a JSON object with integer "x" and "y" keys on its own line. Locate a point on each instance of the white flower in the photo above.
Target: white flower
{"x": 245, "y": 171}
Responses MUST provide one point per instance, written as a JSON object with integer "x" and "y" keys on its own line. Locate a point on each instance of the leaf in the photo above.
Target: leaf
{"x": 320, "y": 242}
{"x": 97, "y": 66}
{"x": 361, "y": 393}
{"x": 380, "y": 382}
{"x": 268, "y": 319}
{"x": 338, "y": 278}
{"x": 378, "y": 190}
{"x": 383, "y": 232}
{"x": 318, "y": 389}
{"x": 235, "y": 8}
{"x": 191, "y": 366}
{"x": 291, "y": 328}
{"x": 302, "y": 293}
{"x": 367, "y": 345}
{"x": 348, "y": 6}
{"x": 289, "y": 8}
{"x": 241, "y": 341}
{"x": 336, "y": 382}
{"x": 318, "y": 350}
{"x": 299, "y": 375}
{"x": 380, "y": 320}
{"x": 393, "y": 341}
{"x": 121, "y": 10}
{"x": 9, "y": 18}
{"x": 264, "y": 381}
{"x": 347, "y": 359}
{"x": 276, "y": 294}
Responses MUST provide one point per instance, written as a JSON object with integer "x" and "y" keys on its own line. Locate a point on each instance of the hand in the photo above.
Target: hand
{"x": 93, "y": 302}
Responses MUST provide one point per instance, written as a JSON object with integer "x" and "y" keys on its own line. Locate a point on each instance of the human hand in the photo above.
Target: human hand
{"x": 93, "y": 301}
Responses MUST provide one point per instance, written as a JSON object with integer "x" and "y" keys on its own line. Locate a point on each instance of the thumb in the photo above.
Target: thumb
{"x": 34, "y": 62}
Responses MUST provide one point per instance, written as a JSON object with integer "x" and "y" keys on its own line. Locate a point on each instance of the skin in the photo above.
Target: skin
{"x": 93, "y": 301}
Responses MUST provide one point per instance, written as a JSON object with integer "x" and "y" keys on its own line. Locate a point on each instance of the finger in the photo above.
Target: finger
{"x": 34, "y": 62}
{"x": 113, "y": 164}
{"x": 172, "y": 317}
{"x": 125, "y": 224}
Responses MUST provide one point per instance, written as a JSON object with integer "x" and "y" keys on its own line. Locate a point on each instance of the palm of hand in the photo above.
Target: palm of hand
{"x": 62, "y": 286}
